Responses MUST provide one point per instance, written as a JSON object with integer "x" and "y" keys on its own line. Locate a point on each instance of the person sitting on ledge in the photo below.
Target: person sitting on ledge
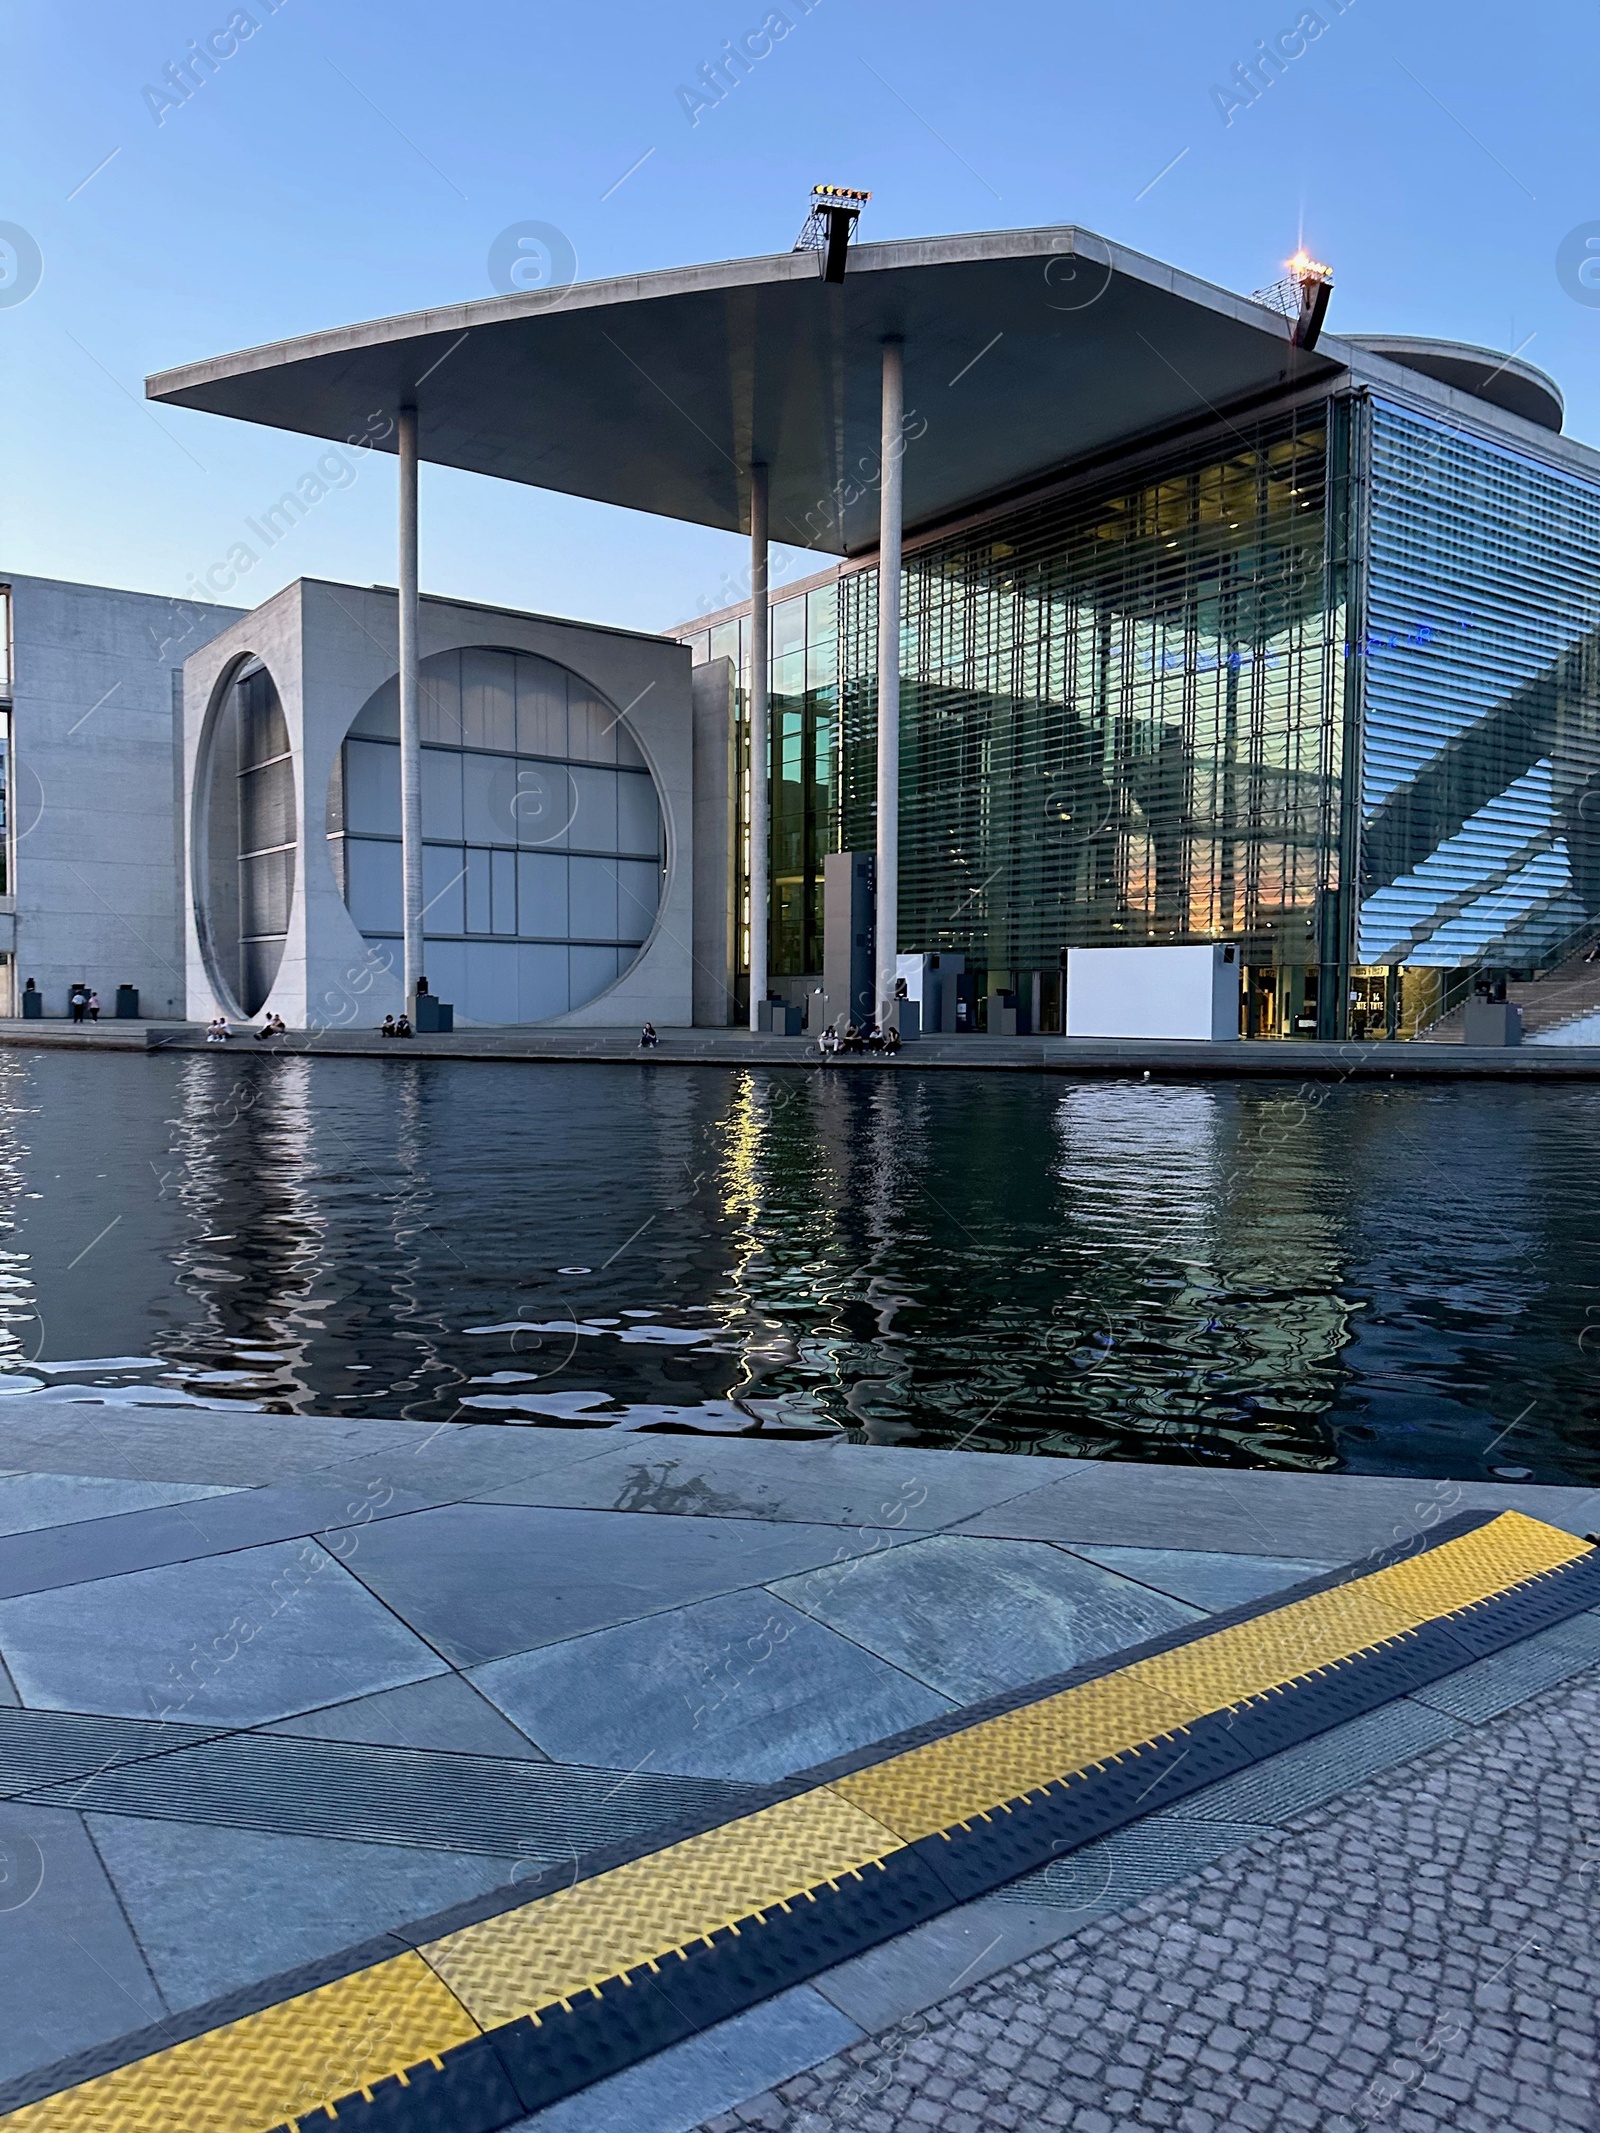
{"x": 403, "y": 1027}
{"x": 648, "y": 1038}
{"x": 388, "y": 1026}
{"x": 828, "y": 1042}
{"x": 274, "y": 1026}
{"x": 851, "y": 1040}
{"x": 217, "y": 1030}
{"x": 891, "y": 1041}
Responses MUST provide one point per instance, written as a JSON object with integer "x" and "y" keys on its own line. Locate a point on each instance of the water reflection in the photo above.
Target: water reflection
{"x": 1375, "y": 1277}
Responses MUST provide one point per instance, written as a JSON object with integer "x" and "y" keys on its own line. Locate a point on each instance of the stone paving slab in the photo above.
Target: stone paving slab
{"x": 31, "y": 1502}
{"x": 231, "y": 1639}
{"x": 1212, "y": 1581}
{"x": 741, "y": 1685}
{"x": 479, "y": 1581}
{"x": 74, "y": 1974}
{"x": 197, "y": 1897}
{"x": 1240, "y": 1511}
{"x": 444, "y": 1712}
{"x": 81, "y": 1550}
{"x": 970, "y": 1616}
{"x": 73, "y": 1433}
{"x": 838, "y": 1484}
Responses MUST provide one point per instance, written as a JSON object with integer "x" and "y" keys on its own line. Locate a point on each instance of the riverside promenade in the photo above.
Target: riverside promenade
{"x": 1089, "y": 1058}
{"x": 284, "y": 1700}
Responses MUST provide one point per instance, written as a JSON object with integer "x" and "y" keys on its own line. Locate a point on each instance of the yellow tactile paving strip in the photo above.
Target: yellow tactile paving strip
{"x": 272, "y": 2067}
{"x": 552, "y": 1950}
{"x": 297, "y": 2058}
{"x": 973, "y": 1772}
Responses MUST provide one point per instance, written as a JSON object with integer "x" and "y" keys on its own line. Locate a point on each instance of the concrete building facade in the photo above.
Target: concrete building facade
{"x": 201, "y": 803}
{"x": 91, "y": 726}
{"x": 558, "y": 819}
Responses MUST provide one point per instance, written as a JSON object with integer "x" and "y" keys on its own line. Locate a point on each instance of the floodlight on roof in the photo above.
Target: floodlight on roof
{"x": 1302, "y": 296}
{"x": 830, "y": 225}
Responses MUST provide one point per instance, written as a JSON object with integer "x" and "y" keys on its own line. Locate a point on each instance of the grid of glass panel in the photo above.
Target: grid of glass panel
{"x": 266, "y": 833}
{"x": 804, "y": 727}
{"x": 1480, "y": 672}
{"x": 1121, "y": 717}
{"x": 542, "y": 849}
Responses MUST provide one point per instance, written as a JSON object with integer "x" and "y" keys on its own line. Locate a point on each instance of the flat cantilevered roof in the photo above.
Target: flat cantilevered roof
{"x": 1025, "y": 350}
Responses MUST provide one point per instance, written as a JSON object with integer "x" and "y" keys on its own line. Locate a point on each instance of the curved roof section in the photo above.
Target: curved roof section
{"x": 1505, "y": 381}
{"x": 1025, "y": 350}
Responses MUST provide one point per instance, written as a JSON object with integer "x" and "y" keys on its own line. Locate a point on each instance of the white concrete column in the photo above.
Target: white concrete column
{"x": 410, "y": 726}
{"x": 760, "y": 743}
{"x": 890, "y": 508}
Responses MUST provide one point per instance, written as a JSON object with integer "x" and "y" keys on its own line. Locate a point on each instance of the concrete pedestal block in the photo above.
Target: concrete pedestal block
{"x": 1492, "y": 1022}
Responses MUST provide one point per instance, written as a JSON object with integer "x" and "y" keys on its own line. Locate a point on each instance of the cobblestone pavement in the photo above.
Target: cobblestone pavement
{"x": 1421, "y": 1953}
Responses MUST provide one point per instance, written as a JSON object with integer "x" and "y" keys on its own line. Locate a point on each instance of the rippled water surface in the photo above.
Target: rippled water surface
{"x": 1379, "y": 1278}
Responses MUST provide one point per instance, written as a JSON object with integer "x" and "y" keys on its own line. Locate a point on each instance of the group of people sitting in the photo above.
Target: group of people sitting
{"x": 219, "y": 1029}
{"x": 397, "y": 1026}
{"x": 854, "y": 1039}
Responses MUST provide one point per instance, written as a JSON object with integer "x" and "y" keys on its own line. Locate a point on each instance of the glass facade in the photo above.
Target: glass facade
{"x": 1122, "y": 721}
{"x": 1480, "y": 687}
{"x": 804, "y": 793}
{"x": 1121, "y": 716}
{"x": 542, "y": 846}
{"x": 1326, "y": 684}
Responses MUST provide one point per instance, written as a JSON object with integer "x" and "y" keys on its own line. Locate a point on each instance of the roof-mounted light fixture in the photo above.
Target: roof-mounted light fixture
{"x": 1302, "y": 296}
{"x": 830, "y": 226}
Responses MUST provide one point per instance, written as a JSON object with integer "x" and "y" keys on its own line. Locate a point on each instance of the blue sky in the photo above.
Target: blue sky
{"x": 357, "y": 159}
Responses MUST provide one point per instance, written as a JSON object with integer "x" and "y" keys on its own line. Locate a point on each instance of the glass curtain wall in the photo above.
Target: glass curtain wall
{"x": 1480, "y": 673}
{"x": 804, "y": 770}
{"x": 1122, "y": 719}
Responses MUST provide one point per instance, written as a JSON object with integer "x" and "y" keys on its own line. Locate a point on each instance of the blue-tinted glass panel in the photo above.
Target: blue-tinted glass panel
{"x": 1480, "y": 682}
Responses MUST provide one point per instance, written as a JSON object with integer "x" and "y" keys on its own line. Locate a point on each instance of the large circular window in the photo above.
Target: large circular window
{"x": 542, "y": 847}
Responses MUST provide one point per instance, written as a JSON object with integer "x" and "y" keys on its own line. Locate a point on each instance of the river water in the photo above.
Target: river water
{"x": 1369, "y": 1277}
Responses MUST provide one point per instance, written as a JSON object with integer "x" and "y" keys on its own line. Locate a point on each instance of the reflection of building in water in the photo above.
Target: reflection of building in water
{"x": 1212, "y": 1230}
{"x": 1145, "y": 1167}
{"x": 254, "y": 1241}
{"x": 22, "y": 1329}
{"x": 310, "y": 1237}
